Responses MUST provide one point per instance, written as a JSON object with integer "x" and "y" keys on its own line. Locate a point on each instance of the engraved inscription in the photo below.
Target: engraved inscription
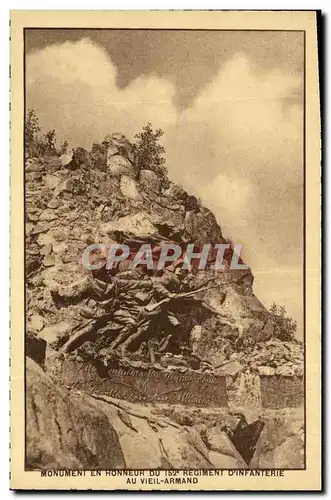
{"x": 132, "y": 384}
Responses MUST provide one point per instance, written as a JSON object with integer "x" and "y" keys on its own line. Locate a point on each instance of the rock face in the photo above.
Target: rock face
{"x": 281, "y": 445}
{"x": 222, "y": 451}
{"x": 128, "y": 187}
{"x": 76, "y": 431}
{"x": 120, "y": 155}
{"x": 161, "y": 443}
{"x": 69, "y": 207}
{"x": 150, "y": 180}
{"x": 65, "y": 431}
{"x": 244, "y": 392}
{"x": 224, "y": 330}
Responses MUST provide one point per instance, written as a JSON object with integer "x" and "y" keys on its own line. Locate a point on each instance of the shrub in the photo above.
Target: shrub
{"x": 36, "y": 144}
{"x": 63, "y": 148}
{"x": 284, "y": 326}
{"x": 149, "y": 152}
{"x": 31, "y": 132}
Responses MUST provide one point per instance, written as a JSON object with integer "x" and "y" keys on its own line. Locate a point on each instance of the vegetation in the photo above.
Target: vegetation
{"x": 31, "y": 131}
{"x": 284, "y": 326}
{"x": 37, "y": 144}
{"x": 149, "y": 152}
{"x": 63, "y": 148}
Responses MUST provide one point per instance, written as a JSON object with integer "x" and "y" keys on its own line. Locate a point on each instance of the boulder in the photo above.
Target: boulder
{"x": 230, "y": 303}
{"x": 118, "y": 165}
{"x": 54, "y": 204}
{"x": 221, "y": 461}
{"x": 174, "y": 191}
{"x": 118, "y": 144}
{"x": 44, "y": 239}
{"x": 52, "y": 162}
{"x": 39, "y": 228}
{"x": 66, "y": 158}
{"x": 64, "y": 431}
{"x": 150, "y": 181}
{"x": 281, "y": 444}
{"x": 51, "y": 181}
{"x": 219, "y": 442}
{"x": 201, "y": 225}
{"x": 244, "y": 392}
{"x": 48, "y": 215}
{"x": 33, "y": 176}
{"x": 230, "y": 368}
{"x": 195, "y": 337}
{"x": 128, "y": 187}
{"x": 168, "y": 221}
{"x": 120, "y": 155}
{"x": 35, "y": 348}
{"x": 161, "y": 443}
{"x": 36, "y": 322}
{"x": 67, "y": 186}
{"x": 46, "y": 249}
{"x": 138, "y": 224}
{"x": 288, "y": 455}
{"x": 55, "y": 334}
{"x": 33, "y": 250}
{"x": 60, "y": 248}
{"x": 49, "y": 261}
{"x": 286, "y": 370}
{"x": 266, "y": 370}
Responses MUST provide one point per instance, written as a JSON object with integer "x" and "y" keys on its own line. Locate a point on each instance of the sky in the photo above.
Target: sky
{"x": 231, "y": 107}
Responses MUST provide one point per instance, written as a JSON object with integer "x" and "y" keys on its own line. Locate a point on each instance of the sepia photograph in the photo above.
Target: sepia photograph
{"x": 164, "y": 301}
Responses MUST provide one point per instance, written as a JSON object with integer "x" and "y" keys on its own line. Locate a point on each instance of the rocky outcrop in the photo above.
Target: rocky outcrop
{"x": 268, "y": 444}
{"x": 222, "y": 451}
{"x": 70, "y": 429}
{"x": 281, "y": 444}
{"x": 224, "y": 331}
{"x": 120, "y": 155}
{"x": 150, "y": 181}
{"x": 244, "y": 393}
{"x": 64, "y": 431}
{"x": 70, "y": 207}
{"x": 161, "y": 443}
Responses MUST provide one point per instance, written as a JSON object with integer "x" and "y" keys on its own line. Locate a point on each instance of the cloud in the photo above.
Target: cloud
{"x": 238, "y": 146}
{"x": 72, "y": 88}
